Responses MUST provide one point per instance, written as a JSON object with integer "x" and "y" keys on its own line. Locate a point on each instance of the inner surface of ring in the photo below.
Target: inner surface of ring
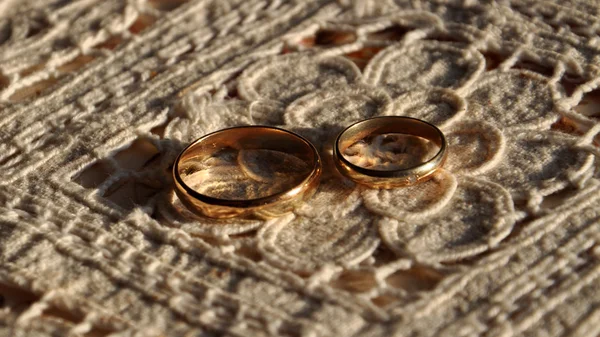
{"x": 384, "y": 144}
{"x": 246, "y": 163}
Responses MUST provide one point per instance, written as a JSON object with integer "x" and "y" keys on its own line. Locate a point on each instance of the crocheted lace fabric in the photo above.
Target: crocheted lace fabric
{"x": 98, "y": 98}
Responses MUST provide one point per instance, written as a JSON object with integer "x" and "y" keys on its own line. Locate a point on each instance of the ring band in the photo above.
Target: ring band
{"x": 389, "y": 125}
{"x": 248, "y": 138}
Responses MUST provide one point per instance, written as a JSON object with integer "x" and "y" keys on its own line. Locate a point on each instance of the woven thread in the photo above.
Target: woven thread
{"x": 98, "y": 98}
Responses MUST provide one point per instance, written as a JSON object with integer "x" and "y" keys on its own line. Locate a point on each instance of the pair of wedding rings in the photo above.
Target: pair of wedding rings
{"x": 265, "y": 138}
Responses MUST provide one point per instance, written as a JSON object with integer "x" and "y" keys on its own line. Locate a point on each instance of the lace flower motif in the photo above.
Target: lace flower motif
{"x": 504, "y": 159}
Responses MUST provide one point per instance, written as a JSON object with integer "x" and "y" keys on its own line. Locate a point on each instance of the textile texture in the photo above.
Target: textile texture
{"x": 97, "y": 98}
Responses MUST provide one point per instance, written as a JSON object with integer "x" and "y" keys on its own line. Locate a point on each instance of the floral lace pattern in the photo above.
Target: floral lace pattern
{"x": 99, "y": 102}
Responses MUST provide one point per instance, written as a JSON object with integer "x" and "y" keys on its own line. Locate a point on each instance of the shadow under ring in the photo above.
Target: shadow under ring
{"x": 248, "y": 138}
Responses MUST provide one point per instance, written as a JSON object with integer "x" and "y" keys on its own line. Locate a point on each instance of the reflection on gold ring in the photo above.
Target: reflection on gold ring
{"x": 248, "y": 171}
{"x": 396, "y": 177}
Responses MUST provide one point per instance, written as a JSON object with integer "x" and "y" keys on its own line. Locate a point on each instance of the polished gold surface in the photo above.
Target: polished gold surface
{"x": 377, "y": 178}
{"x": 249, "y": 171}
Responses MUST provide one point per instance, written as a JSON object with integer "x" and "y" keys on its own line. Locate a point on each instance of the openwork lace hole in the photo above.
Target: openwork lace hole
{"x": 10, "y": 159}
{"x": 544, "y": 70}
{"x": 32, "y": 69}
{"x": 94, "y": 175}
{"x": 17, "y": 299}
{"x": 110, "y": 44}
{"x": 5, "y": 31}
{"x": 4, "y": 82}
{"x": 384, "y": 300}
{"x": 166, "y": 5}
{"x": 249, "y": 252}
{"x": 442, "y": 37}
{"x": 142, "y": 22}
{"x": 570, "y": 83}
{"x": 37, "y": 25}
{"x": 567, "y": 126}
{"x": 33, "y": 90}
{"x": 392, "y": 33}
{"x": 383, "y": 255}
{"x": 333, "y": 38}
{"x": 589, "y": 105}
{"x": 417, "y": 278}
{"x": 230, "y": 88}
{"x": 355, "y": 281}
{"x": 76, "y": 64}
{"x": 558, "y": 198}
{"x": 95, "y": 25}
{"x": 493, "y": 59}
{"x": 362, "y": 56}
{"x": 159, "y": 130}
{"x": 324, "y": 38}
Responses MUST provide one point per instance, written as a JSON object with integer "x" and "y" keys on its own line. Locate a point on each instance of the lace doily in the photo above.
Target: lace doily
{"x": 98, "y": 98}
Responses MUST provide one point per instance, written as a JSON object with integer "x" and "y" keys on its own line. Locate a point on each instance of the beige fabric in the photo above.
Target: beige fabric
{"x": 98, "y": 97}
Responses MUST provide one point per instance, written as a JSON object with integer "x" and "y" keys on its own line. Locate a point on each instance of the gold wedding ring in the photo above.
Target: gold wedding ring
{"x": 382, "y": 126}
{"x": 243, "y": 147}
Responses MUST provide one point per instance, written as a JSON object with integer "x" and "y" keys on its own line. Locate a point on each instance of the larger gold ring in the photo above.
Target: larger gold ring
{"x": 238, "y": 139}
{"x": 389, "y": 125}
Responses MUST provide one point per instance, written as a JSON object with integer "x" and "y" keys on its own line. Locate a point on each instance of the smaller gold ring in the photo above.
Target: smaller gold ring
{"x": 247, "y": 138}
{"x": 389, "y": 125}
